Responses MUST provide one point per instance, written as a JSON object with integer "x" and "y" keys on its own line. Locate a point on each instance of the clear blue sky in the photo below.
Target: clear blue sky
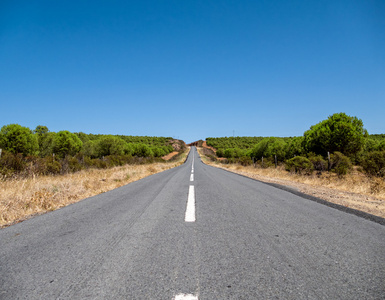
{"x": 191, "y": 69}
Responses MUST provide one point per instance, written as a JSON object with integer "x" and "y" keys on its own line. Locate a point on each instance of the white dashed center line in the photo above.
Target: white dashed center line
{"x": 186, "y": 297}
{"x": 190, "y": 210}
{"x": 192, "y": 177}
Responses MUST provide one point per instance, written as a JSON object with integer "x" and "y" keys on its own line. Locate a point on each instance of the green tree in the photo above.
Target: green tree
{"x": 45, "y": 140}
{"x": 229, "y": 153}
{"x": 40, "y": 130}
{"x": 83, "y": 136}
{"x": 110, "y": 145}
{"x": 90, "y": 148}
{"x": 269, "y": 147}
{"x": 381, "y": 146}
{"x": 46, "y": 144}
{"x": 294, "y": 147}
{"x": 142, "y": 150}
{"x": 18, "y": 139}
{"x": 66, "y": 143}
{"x": 338, "y": 132}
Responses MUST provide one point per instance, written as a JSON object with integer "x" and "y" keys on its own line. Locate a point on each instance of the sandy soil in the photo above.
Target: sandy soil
{"x": 170, "y": 155}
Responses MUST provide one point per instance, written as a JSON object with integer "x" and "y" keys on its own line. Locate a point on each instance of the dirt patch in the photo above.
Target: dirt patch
{"x": 170, "y": 155}
{"x": 209, "y": 147}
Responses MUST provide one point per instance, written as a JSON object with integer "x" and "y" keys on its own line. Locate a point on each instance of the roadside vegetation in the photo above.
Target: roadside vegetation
{"x": 336, "y": 144}
{"x": 337, "y": 153}
{"x": 41, "y": 170}
{"x": 25, "y": 196}
{"x": 27, "y": 152}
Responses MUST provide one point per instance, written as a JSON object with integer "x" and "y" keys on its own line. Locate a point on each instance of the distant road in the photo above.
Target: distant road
{"x": 194, "y": 232}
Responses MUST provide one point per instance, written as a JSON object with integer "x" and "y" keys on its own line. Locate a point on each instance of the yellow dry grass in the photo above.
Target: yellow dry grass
{"x": 22, "y": 198}
{"x": 354, "y": 190}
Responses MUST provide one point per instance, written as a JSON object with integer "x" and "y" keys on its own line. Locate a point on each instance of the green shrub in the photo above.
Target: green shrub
{"x": 220, "y": 152}
{"x": 142, "y": 150}
{"x": 229, "y": 153}
{"x": 53, "y": 167}
{"x": 13, "y": 162}
{"x": 74, "y": 165}
{"x": 158, "y": 151}
{"x": 299, "y": 164}
{"x": 318, "y": 162}
{"x": 340, "y": 163}
{"x": 265, "y": 163}
{"x": 381, "y": 146}
{"x": 374, "y": 163}
{"x": 245, "y": 161}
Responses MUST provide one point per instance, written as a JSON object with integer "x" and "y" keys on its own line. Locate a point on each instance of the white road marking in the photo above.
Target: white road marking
{"x": 192, "y": 165}
{"x": 185, "y": 297}
{"x": 192, "y": 177}
{"x": 190, "y": 209}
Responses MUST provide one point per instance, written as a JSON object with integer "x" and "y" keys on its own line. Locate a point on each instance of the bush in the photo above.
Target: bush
{"x": 318, "y": 162}
{"x": 265, "y": 163}
{"x": 245, "y": 161}
{"x": 53, "y": 167}
{"x": 12, "y": 162}
{"x": 142, "y": 150}
{"x": 229, "y": 153}
{"x": 158, "y": 151}
{"x": 74, "y": 165}
{"x": 299, "y": 164}
{"x": 374, "y": 163}
{"x": 381, "y": 146}
{"x": 220, "y": 152}
{"x": 340, "y": 163}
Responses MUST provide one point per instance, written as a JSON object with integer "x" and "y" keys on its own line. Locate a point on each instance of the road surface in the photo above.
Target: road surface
{"x": 194, "y": 232}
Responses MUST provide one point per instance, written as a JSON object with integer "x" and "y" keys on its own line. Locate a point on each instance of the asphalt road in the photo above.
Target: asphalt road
{"x": 249, "y": 240}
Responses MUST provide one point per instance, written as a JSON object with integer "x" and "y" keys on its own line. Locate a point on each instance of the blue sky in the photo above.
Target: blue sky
{"x": 191, "y": 69}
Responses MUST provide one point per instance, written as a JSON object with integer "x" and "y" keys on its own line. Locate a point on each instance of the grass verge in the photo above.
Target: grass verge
{"x": 22, "y": 198}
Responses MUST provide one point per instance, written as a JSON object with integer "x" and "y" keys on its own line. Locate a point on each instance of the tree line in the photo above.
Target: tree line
{"x": 43, "y": 151}
{"x": 337, "y": 143}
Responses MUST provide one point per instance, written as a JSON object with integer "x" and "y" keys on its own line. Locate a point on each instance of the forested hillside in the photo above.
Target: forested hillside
{"x": 40, "y": 151}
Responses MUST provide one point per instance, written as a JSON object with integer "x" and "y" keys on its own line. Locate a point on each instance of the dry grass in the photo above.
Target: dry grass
{"x": 354, "y": 190}
{"x": 22, "y": 198}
